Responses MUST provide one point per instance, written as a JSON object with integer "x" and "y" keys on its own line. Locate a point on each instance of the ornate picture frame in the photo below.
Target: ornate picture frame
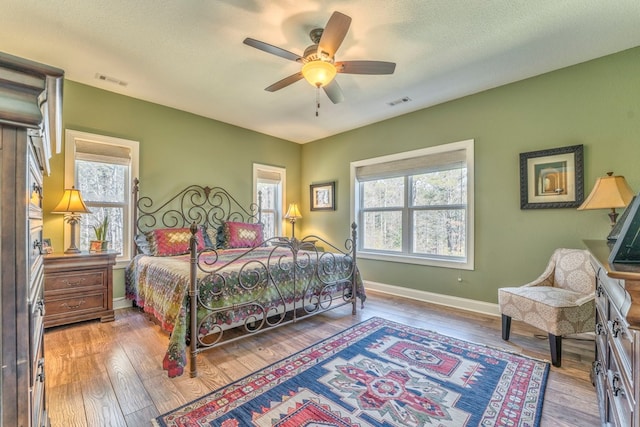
{"x": 552, "y": 178}
{"x": 322, "y": 196}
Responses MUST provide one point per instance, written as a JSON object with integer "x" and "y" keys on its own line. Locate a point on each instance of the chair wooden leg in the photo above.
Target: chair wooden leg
{"x": 506, "y": 327}
{"x": 555, "y": 344}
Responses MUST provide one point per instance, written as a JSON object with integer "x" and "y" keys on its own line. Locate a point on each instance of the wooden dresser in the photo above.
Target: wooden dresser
{"x": 616, "y": 370}
{"x": 78, "y": 287}
{"x": 30, "y": 101}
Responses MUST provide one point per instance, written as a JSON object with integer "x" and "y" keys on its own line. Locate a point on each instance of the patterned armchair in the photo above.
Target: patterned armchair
{"x": 560, "y": 302}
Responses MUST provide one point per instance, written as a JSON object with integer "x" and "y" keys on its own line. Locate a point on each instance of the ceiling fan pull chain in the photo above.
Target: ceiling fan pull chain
{"x": 317, "y": 99}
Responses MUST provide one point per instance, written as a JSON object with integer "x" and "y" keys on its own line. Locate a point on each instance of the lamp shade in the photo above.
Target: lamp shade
{"x": 609, "y": 192}
{"x": 71, "y": 202}
{"x": 293, "y": 212}
{"x": 319, "y": 73}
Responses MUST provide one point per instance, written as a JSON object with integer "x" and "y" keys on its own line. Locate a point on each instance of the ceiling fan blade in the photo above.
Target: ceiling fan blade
{"x": 334, "y": 92}
{"x": 333, "y": 34}
{"x": 365, "y": 67}
{"x": 284, "y": 82}
{"x": 266, "y": 47}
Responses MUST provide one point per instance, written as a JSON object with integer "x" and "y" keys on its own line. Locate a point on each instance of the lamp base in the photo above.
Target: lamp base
{"x": 613, "y": 216}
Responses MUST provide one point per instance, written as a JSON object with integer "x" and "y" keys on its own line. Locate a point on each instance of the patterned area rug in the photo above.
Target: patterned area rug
{"x": 379, "y": 373}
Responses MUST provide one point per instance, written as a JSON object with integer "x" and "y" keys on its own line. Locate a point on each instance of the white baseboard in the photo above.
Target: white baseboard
{"x": 122, "y": 302}
{"x": 440, "y": 299}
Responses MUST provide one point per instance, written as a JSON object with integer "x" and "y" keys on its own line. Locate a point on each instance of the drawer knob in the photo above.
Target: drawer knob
{"x": 37, "y": 189}
{"x": 40, "y": 307}
{"x": 616, "y": 328}
{"x": 73, "y": 307}
{"x": 597, "y": 367}
{"x": 40, "y": 376}
{"x": 615, "y": 383}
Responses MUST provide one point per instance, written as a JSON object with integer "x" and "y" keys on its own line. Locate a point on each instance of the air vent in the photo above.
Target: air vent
{"x": 399, "y": 101}
{"x": 111, "y": 80}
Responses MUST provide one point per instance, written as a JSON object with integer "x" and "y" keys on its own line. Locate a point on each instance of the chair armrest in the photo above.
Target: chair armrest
{"x": 585, "y": 299}
{"x": 540, "y": 281}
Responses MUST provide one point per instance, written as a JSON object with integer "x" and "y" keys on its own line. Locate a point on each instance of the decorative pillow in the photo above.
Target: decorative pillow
{"x": 172, "y": 241}
{"x": 242, "y": 235}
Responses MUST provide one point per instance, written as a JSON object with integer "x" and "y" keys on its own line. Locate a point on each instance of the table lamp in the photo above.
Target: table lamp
{"x": 609, "y": 192}
{"x": 293, "y": 213}
{"x": 71, "y": 206}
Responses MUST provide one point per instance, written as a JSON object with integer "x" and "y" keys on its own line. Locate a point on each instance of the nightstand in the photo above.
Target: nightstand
{"x": 78, "y": 287}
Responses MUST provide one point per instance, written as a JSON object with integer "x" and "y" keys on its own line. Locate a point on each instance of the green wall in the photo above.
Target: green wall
{"x": 596, "y": 104}
{"x": 176, "y": 149}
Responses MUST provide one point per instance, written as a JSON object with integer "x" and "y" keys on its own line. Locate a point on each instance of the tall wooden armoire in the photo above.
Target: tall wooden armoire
{"x": 30, "y": 130}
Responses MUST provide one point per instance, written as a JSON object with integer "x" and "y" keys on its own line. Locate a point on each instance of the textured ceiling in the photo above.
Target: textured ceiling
{"x": 189, "y": 54}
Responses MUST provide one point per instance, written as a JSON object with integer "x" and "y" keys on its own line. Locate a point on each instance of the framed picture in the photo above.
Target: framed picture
{"x": 323, "y": 196}
{"x": 46, "y": 246}
{"x": 552, "y": 178}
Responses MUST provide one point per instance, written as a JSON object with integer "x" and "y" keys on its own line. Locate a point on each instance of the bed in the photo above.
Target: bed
{"x": 206, "y": 275}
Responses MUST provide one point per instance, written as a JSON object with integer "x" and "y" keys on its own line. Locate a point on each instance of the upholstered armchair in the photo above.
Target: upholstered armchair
{"x": 560, "y": 302}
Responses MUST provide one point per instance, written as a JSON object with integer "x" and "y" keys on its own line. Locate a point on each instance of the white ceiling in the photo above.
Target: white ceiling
{"x": 188, "y": 54}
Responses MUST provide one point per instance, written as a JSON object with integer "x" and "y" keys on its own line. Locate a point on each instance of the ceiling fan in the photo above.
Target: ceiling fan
{"x": 319, "y": 66}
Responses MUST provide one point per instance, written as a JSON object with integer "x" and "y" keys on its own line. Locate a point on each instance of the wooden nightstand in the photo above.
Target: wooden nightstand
{"x": 78, "y": 287}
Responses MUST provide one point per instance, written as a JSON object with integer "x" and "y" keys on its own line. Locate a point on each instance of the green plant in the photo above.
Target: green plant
{"x": 101, "y": 229}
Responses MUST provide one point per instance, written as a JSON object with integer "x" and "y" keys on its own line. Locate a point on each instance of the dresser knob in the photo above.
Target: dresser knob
{"x": 616, "y": 328}
{"x": 615, "y": 384}
{"x": 40, "y": 307}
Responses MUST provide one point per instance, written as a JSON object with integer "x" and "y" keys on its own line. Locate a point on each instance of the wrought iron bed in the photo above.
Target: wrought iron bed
{"x": 211, "y": 295}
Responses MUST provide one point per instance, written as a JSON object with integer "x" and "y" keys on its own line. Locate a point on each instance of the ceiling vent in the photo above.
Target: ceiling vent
{"x": 111, "y": 80}
{"x": 399, "y": 101}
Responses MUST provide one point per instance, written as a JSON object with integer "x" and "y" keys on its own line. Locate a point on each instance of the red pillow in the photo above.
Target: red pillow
{"x": 172, "y": 241}
{"x": 242, "y": 235}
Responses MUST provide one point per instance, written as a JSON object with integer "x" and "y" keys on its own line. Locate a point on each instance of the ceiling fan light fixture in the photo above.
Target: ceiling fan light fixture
{"x": 319, "y": 73}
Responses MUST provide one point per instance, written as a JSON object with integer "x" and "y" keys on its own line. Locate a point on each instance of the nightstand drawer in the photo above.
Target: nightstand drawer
{"x": 75, "y": 304}
{"x": 76, "y": 281}
{"x": 78, "y": 287}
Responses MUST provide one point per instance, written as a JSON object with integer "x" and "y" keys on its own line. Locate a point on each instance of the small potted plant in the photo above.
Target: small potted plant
{"x": 100, "y": 243}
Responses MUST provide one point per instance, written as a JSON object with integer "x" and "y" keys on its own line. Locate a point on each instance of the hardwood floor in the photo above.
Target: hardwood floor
{"x": 110, "y": 374}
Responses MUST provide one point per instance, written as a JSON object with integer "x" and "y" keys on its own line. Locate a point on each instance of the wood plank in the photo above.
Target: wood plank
{"x": 119, "y": 365}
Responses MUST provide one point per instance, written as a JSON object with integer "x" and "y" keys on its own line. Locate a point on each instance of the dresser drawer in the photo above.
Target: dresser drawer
{"x": 75, "y": 281}
{"x": 619, "y": 396}
{"x": 622, "y": 339}
{"x": 34, "y": 184}
{"x": 34, "y": 249}
{"x": 36, "y": 325}
{"x": 602, "y": 301}
{"x": 75, "y": 304}
{"x": 38, "y": 413}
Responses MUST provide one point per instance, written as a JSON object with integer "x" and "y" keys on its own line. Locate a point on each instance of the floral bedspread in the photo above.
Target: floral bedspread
{"x": 236, "y": 286}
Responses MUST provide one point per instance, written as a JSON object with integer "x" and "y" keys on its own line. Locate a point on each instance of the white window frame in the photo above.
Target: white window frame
{"x": 463, "y": 264}
{"x": 281, "y": 202}
{"x": 71, "y": 138}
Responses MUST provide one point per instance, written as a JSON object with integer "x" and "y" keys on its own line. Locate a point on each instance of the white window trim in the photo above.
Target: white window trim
{"x": 283, "y": 202}
{"x": 469, "y": 263}
{"x": 71, "y": 136}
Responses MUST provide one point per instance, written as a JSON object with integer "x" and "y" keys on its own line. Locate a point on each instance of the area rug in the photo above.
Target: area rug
{"x": 379, "y": 373}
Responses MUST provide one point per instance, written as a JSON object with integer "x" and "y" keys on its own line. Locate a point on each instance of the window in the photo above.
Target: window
{"x": 269, "y": 182}
{"x": 417, "y": 207}
{"x": 103, "y": 168}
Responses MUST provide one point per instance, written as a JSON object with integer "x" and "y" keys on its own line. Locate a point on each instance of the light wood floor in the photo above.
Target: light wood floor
{"x": 110, "y": 374}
